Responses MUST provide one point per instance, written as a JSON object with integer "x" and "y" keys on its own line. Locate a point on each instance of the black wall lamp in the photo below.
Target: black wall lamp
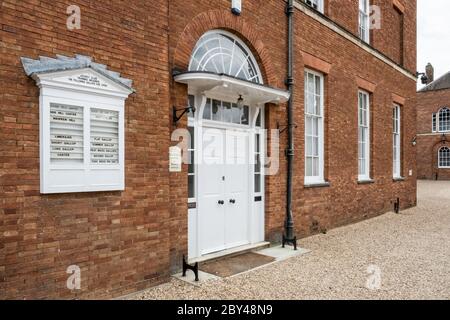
{"x": 183, "y": 111}
{"x": 240, "y": 102}
{"x": 423, "y": 77}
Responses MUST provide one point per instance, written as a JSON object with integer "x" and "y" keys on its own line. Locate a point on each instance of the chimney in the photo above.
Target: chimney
{"x": 429, "y": 70}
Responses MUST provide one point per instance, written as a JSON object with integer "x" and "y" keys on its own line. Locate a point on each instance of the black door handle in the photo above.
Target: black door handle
{"x": 232, "y": 201}
{"x": 221, "y": 202}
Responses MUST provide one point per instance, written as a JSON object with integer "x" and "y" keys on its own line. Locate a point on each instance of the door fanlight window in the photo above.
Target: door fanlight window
{"x": 227, "y": 112}
{"x": 222, "y": 53}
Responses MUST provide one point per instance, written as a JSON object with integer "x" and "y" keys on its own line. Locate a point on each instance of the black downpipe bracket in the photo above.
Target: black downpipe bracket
{"x": 288, "y": 236}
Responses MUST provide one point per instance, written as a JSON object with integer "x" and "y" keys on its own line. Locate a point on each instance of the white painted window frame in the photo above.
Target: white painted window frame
{"x": 216, "y": 52}
{"x": 364, "y": 20}
{"x": 439, "y": 158}
{"x": 320, "y": 178}
{"x": 397, "y": 142}
{"x": 434, "y": 122}
{"x": 192, "y": 149}
{"x": 366, "y": 158}
{"x": 318, "y": 3}
{"x": 438, "y": 120}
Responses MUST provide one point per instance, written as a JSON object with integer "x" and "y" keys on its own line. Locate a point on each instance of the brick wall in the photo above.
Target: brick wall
{"x": 119, "y": 239}
{"x": 345, "y": 201}
{"x": 428, "y": 143}
{"x": 387, "y": 38}
{"x": 126, "y": 241}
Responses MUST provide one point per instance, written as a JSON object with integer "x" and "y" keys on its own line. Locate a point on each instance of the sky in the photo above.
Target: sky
{"x": 433, "y": 32}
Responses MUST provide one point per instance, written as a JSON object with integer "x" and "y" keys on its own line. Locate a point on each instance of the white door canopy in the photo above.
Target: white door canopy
{"x": 222, "y": 66}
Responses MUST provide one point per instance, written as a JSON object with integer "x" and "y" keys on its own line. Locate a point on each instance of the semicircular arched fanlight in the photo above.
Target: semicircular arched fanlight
{"x": 222, "y": 53}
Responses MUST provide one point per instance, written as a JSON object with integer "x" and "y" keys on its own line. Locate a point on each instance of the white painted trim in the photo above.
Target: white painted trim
{"x": 321, "y": 177}
{"x": 432, "y": 134}
{"x": 366, "y": 36}
{"x": 237, "y": 40}
{"x": 56, "y": 88}
{"x": 367, "y": 176}
{"x": 320, "y": 6}
{"x": 56, "y": 80}
{"x": 352, "y": 38}
{"x": 397, "y": 165}
{"x": 438, "y": 121}
{"x": 439, "y": 158}
{"x": 256, "y": 232}
{"x": 221, "y": 86}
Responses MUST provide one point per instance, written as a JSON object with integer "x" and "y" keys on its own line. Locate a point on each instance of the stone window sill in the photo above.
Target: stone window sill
{"x": 317, "y": 185}
{"x": 399, "y": 179}
{"x": 370, "y": 181}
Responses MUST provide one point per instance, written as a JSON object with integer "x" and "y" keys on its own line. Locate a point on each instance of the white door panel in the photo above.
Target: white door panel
{"x": 223, "y": 190}
{"x": 211, "y": 190}
{"x": 236, "y": 189}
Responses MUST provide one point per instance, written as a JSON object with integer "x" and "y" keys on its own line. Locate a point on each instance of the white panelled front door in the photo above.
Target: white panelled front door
{"x": 223, "y": 185}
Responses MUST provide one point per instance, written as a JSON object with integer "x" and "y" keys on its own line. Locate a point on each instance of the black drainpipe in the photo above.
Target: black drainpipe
{"x": 289, "y": 237}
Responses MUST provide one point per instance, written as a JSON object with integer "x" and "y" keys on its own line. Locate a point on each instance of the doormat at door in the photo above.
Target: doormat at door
{"x": 230, "y": 266}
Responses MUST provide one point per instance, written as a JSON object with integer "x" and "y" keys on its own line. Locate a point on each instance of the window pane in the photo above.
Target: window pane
{"x": 316, "y": 126}
{"x": 309, "y": 146}
{"x": 191, "y": 167}
{"x": 316, "y": 167}
{"x": 257, "y": 142}
{"x": 191, "y": 103}
{"x": 310, "y": 103}
{"x": 216, "y": 110}
{"x": 257, "y": 163}
{"x": 434, "y": 122}
{"x": 245, "y": 116}
{"x": 444, "y": 157}
{"x": 207, "y": 111}
{"x": 257, "y": 183}
{"x": 309, "y": 126}
{"x": 316, "y": 147}
{"x": 365, "y": 120}
{"x": 258, "y": 119}
{"x": 362, "y": 166}
{"x": 309, "y": 165}
{"x": 311, "y": 80}
{"x": 318, "y": 86}
{"x": 317, "y": 106}
{"x": 444, "y": 120}
{"x": 221, "y": 53}
{"x": 227, "y": 112}
{"x": 191, "y": 186}
{"x": 236, "y": 114}
{"x": 191, "y": 133}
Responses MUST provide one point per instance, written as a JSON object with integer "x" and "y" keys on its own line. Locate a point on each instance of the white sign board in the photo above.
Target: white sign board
{"x": 175, "y": 159}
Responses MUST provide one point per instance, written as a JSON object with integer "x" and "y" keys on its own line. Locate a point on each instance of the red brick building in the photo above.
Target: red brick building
{"x": 433, "y": 127}
{"x": 85, "y": 183}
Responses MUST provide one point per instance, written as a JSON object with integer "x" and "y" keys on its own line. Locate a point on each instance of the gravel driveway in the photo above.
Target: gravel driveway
{"x": 410, "y": 252}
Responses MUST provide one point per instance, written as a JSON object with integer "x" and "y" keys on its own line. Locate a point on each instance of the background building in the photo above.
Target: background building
{"x": 433, "y": 127}
{"x": 127, "y": 228}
